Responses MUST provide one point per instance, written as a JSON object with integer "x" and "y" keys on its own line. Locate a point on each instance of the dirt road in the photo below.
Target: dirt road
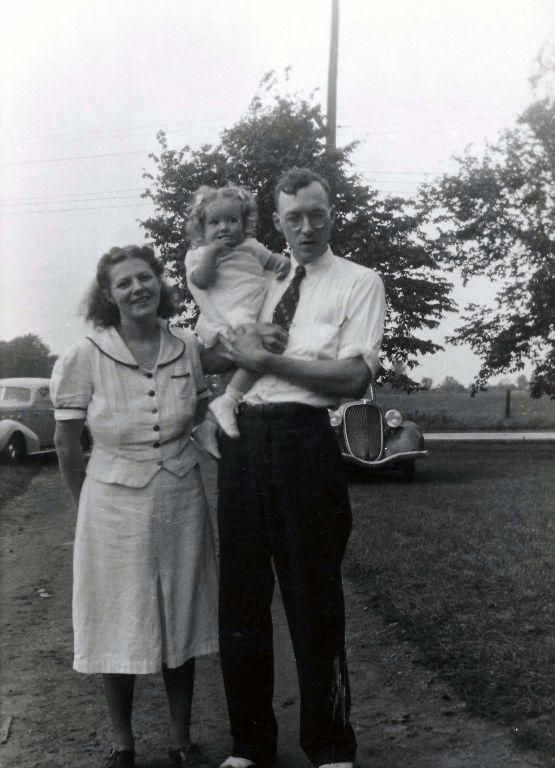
{"x": 403, "y": 718}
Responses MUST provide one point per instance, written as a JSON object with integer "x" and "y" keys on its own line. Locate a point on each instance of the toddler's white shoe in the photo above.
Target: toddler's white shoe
{"x": 223, "y": 410}
{"x": 337, "y": 765}
{"x": 205, "y": 435}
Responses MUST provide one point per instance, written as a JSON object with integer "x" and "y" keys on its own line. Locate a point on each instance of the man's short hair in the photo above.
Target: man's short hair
{"x": 299, "y": 178}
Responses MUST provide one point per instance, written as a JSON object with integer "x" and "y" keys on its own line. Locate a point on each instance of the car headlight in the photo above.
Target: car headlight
{"x": 335, "y": 418}
{"x": 393, "y": 419}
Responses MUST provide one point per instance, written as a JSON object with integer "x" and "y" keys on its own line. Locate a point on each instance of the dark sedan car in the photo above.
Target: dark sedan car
{"x": 370, "y": 438}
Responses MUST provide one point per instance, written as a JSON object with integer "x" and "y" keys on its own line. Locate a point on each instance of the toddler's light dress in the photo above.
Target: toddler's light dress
{"x": 236, "y": 296}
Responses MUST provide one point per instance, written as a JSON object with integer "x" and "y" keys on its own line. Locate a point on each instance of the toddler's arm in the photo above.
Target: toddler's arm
{"x": 279, "y": 264}
{"x": 204, "y": 268}
{"x": 275, "y": 262}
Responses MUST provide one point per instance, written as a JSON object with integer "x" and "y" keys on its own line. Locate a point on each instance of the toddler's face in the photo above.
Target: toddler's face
{"x": 223, "y": 220}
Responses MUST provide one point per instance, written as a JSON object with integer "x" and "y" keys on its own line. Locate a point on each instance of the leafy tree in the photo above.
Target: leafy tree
{"x": 522, "y": 382}
{"x": 276, "y": 133}
{"x": 426, "y": 383}
{"x": 496, "y": 217}
{"x": 25, "y": 356}
{"x": 450, "y": 384}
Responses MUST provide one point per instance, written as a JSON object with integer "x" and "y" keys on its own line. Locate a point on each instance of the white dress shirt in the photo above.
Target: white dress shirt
{"x": 340, "y": 315}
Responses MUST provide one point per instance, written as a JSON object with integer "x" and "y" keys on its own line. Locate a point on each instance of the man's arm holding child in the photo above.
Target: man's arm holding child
{"x": 359, "y": 344}
{"x": 338, "y": 378}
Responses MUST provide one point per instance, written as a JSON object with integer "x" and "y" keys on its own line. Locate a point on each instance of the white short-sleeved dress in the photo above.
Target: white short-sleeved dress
{"x": 236, "y": 296}
{"x": 145, "y": 571}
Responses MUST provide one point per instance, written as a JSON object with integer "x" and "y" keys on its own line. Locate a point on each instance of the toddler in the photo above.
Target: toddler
{"x": 225, "y": 274}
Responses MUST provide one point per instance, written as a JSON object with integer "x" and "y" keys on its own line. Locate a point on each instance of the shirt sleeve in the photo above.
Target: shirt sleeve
{"x": 362, "y": 330}
{"x": 71, "y": 384}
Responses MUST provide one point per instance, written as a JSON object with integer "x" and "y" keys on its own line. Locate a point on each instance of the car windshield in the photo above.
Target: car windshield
{"x": 14, "y": 395}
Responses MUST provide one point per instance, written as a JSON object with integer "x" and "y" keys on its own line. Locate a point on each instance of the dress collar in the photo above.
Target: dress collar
{"x": 321, "y": 263}
{"x": 111, "y": 344}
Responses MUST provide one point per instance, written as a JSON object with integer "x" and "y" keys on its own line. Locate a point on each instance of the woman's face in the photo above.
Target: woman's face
{"x": 134, "y": 289}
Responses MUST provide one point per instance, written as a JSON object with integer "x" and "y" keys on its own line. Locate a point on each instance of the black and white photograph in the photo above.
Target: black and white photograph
{"x": 277, "y": 384}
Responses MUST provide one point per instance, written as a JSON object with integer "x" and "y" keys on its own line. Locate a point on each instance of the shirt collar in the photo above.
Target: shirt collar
{"x": 321, "y": 263}
{"x": 111, "y": 344}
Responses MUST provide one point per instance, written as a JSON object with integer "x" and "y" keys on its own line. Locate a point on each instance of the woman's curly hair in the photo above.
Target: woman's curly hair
{"x": 97, "y": 307}
{"x": 205, "y": 195}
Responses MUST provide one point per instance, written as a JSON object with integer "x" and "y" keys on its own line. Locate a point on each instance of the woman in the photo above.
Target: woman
{"x": 145, "y": 579}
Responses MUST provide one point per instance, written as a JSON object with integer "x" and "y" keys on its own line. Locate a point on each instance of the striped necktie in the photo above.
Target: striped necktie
{"x": 286, "y": 306}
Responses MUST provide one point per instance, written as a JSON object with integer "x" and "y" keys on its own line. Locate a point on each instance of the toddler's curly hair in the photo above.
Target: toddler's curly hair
{"x": 205, "y": 195}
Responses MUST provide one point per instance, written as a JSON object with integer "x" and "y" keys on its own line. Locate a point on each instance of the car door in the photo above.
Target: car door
{"x": 43, "y": 417}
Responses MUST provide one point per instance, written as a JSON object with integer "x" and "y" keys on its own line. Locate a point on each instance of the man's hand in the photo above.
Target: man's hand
{"x": 273, "y": 337}
{"x": 248, "y": 345}
{"x": 243, "y": 347}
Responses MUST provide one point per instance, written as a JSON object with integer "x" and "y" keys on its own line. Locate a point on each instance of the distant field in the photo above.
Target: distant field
{"x": 461, "y": 563}
{"x": 439, "y": 411}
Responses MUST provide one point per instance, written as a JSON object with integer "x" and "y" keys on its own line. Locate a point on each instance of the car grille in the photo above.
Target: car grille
{"x": 363, "y": 430}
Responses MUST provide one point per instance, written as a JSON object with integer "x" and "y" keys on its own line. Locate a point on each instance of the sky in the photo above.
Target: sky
{"x": 86, "y": 86}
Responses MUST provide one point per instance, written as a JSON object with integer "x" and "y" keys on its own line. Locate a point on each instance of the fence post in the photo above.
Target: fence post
{"x": 508, "y": 404}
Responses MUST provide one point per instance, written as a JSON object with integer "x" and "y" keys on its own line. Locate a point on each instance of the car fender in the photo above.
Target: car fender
{"x": 407, "y": 438}
{"x": 8, "y": 427}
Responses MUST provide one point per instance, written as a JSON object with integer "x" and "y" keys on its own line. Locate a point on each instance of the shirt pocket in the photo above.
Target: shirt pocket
{"x": 314, "y": 340}
{"x": 181, "y": 384}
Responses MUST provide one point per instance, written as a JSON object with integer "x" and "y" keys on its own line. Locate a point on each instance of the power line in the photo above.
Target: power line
{"x": 73, "y": 157}
{"x": 67, "y": 210}
{"x": 71, "y": 194}
{"x": 105, "y": 132}
{"x": 366, "y": 169}
{"x": 443, "y": 105}
{"x": 76, "y": 200}
{"x": 394, "y": 132}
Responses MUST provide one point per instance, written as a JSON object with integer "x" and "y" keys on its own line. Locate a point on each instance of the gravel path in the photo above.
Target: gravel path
{"x": 403, "y": 717}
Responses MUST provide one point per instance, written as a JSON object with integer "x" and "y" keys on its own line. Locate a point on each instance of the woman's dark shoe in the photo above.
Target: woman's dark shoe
{"x": 120, "y": 758}
{"x": 187, "y": 757}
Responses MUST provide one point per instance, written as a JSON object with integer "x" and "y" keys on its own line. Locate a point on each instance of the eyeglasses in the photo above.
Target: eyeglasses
{"x": 317, "y": 219}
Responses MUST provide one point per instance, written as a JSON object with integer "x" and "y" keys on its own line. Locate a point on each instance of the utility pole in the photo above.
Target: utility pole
{"x": 331, "y": 118}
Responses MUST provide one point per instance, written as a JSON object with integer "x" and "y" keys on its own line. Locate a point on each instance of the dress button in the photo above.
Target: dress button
{"x": 154, "y": 410}
{"x": 148, "y": 375}
{"x": 156, "y": 445}
{"x": 156, "y": 428}
{"x": 152, "y": 393}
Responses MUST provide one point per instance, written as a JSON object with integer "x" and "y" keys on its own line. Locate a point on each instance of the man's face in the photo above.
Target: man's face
{"x": 305, "y": 219}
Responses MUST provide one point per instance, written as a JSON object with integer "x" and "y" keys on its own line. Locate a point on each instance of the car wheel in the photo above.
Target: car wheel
{"x": 408, "y": 470}
{"x": 15, "y": 450}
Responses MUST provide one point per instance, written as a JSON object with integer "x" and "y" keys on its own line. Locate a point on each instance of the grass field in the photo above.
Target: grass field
{"x": 461, "y": 563}
{"x": 441, "y": 411}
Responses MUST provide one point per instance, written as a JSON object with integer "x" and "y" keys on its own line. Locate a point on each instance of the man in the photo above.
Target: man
{"x": 283, "y": 498}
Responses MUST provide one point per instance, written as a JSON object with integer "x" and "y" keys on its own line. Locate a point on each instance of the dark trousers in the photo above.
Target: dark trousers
{"x": 283, "y": 498}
